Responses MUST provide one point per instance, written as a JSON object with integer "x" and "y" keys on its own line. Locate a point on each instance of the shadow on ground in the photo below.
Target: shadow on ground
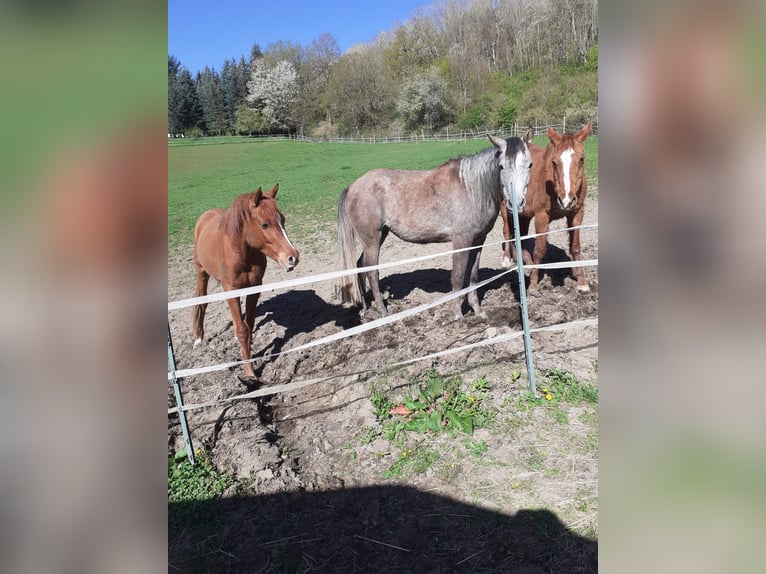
{"x": 376, "y": 529}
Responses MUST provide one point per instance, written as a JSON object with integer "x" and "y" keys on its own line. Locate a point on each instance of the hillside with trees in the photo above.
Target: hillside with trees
{"x": 478, "y": 64}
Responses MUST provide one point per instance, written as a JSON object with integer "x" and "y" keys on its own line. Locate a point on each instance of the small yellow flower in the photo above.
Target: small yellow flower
{"x": 548, "y": 397}
{"x": 472, "y": 399}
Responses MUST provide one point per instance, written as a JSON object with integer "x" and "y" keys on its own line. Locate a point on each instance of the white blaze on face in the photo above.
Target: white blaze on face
{"x": 282, "y": 229}
{"x": 566, "y": 167}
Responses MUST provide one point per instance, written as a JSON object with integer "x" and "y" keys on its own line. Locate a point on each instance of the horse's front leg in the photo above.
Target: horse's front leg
{"x": 542, "y": 224}
{"x": 574, "y": 249}
{"x": 250, "y": 302}
{"x": 507, "y": 249}
{"x": 473, "y": 296}
{"x": 242, "y": 332}
{"x": 198, "y": 311}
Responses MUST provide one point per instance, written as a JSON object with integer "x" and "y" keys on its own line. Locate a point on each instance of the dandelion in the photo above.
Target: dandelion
{"x": 548, "y": 397}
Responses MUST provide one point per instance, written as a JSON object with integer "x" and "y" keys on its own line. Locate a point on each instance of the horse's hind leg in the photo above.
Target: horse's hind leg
{"x": 371, "y": 256}
{"x": 198, "y": 311}
{"x": 242, "y": 332}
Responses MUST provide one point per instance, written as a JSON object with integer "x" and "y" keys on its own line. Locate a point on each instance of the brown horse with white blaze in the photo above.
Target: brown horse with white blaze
{"x": 557, "y": 189}
{"x": 232, "y": 245}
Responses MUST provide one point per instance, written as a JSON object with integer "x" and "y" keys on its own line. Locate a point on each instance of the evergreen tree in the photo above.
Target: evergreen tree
{"x": 183, "y": 105}
{"x": 211, "y": 102}
{"x": 174, "y": 65}
{"x": 230, "y": 88}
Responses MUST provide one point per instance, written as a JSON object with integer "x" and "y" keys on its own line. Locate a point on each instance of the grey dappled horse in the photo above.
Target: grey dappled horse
{"x": 457, "y": 201}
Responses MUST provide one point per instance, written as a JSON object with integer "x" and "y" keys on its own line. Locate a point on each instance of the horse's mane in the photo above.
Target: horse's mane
{"x": 478, "y": 174}
{"x": 238, "y": 213}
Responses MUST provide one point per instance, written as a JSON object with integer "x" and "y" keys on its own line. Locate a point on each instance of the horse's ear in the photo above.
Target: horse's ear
{"x": 554, "y": 136}
{"x": 498, "y": 142}
{"x": 583, "y": 133}
{"x": 273, "y": 193}
{"x": 529, "y": 135}
{"x": 257, "y": 196}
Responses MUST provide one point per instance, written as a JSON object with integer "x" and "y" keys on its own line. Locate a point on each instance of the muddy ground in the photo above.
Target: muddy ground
{"x": 321, "y": 439}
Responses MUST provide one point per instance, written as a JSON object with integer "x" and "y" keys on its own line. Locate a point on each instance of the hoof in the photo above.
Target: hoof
{"x": 583, "y": 288}
{"x": 197, "y": 342}
{"x": 506, "y": 264}
{"x": 249, "y": 381}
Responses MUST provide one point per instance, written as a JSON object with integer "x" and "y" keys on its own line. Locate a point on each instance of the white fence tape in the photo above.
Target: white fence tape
{"x": 378, "y": 322}
{"x": 222, "y": 296}
{"x": 301, "y": 384}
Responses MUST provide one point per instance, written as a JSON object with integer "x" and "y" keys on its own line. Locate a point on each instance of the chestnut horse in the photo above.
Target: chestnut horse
{"x": 557, "y": 188}
{"x": 456, "y": 201}
{"x": 232, "y": 246}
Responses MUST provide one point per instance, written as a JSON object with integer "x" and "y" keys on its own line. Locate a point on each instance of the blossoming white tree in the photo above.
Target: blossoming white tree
{"x": 273, "y": 91}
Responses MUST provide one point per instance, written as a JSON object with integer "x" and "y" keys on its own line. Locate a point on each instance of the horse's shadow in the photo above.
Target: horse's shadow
{"x": 401, "y": 285}
{"x": 298, "y": 311}
{"x": 554, "y": 254}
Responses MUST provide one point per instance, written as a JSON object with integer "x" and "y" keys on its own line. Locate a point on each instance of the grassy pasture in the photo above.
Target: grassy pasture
{"x": 210, "y": 173}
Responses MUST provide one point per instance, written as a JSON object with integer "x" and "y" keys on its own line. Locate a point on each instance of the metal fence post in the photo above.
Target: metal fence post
{"x": 179, "y": 400}
{"x": 523, "y": 296}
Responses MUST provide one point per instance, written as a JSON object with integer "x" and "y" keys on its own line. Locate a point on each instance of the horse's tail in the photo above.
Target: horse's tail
{"x": 351, "y": 287}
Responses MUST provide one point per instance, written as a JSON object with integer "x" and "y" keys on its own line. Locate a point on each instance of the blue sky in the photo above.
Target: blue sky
{"x": 205, "y": 33}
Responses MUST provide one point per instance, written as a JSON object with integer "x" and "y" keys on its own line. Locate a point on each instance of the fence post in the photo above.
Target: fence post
{"x": 564, "y": 129}
{"x": 179, "y": 400}
{"x": 523, "y": 296}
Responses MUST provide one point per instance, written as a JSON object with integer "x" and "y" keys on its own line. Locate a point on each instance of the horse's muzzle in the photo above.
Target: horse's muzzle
{"x": 291, "y": 263}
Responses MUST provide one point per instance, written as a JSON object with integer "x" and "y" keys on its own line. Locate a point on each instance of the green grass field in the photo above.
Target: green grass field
{"x": 208, "y": 173}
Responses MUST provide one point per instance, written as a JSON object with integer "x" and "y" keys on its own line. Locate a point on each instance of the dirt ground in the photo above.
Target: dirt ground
{"x": 313, "y": 439}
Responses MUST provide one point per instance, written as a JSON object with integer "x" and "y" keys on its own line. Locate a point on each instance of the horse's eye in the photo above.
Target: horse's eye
{"x": 501, "y": 168}
{"x": 264, "y": 225}
{"x": 582, "y": 160}
{"x": 530, "y": 165}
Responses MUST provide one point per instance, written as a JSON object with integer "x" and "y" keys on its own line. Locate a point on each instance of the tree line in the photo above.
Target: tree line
{"x": 459, "y": 63}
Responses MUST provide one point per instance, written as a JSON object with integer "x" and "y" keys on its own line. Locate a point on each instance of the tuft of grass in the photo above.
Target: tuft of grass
{"x": 189, "y": 489}
{"x": 476, "y": 448}
{"x": 188, "y": 483}
{"x": 381, "y": 404}
{"x": 559, "y": 386}
{"x": 417, "y": 459}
